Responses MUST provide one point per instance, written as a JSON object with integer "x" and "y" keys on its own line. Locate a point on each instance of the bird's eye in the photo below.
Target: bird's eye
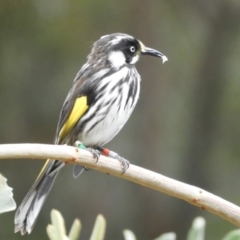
{"x": 132, "y": 49}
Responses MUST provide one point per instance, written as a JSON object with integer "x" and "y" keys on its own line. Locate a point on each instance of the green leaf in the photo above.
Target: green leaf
{"x": 233, "y": 235}
{"x": 51, "y": 231}
{"x": 167, "y": 236}
{"x": 58, "y": 223}
{"x": 197, "y": 230}
{"x": 98, "y": 232}
{"x": 57, "y": 231}
{"x": 75, "y": 230}
{"x": 7, "y": 202}
{"x": 128, "y": 235}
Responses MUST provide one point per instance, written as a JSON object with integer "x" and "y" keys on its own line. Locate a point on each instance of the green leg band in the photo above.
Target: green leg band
{"x": 79, "y": 145}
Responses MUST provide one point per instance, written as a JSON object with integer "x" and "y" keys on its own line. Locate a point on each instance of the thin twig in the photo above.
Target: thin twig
{"x": 147, "y": 178}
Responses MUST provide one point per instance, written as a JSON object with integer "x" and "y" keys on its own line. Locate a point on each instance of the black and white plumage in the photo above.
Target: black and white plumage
{"x": 101, "y": 100}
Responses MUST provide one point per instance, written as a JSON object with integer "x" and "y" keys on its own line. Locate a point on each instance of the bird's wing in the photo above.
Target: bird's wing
{"x": 78, "y": 109}
{"x": 79, "y": 99}
{"x": 74, "y": 107}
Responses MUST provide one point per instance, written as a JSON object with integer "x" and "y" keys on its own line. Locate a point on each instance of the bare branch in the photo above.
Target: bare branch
{"x": 147, "y": 178}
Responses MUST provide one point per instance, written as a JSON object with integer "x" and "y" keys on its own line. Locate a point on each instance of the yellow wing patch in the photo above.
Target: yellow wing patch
{"x": 79, "y": 108}
{"x": 43, "y": 168}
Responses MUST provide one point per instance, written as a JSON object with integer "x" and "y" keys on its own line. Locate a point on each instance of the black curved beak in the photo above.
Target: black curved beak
{"x": 153, "y": 52}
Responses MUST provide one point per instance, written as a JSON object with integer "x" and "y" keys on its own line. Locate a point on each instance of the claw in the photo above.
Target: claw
{"x": 95, "y": 153}
{"x": 124, "y": 163}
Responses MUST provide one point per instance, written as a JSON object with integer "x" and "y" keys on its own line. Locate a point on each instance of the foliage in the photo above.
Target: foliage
{"x": 7, "y": 202}
{"x": 57, "y": 230}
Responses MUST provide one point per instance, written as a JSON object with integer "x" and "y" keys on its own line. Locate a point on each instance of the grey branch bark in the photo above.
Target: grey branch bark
{"x": 147, "y": 178}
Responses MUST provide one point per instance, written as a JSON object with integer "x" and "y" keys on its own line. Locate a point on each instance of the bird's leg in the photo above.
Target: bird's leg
{"x": 124, "y": 162}
{"x": 104, "y": 151}
{"x": 95, "y": 152}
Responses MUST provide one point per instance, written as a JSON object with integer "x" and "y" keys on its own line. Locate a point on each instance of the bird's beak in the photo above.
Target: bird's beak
{"x": 153, "y": 52}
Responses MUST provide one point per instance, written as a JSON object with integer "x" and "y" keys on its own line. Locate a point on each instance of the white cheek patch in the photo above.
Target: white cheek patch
{"x": 134, "y": 59}
{"x": 117, "y": 59}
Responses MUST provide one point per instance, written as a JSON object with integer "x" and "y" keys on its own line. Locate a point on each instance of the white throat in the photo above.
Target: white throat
{"x": 117, "y": 59}
{"x": 135, "y": 59}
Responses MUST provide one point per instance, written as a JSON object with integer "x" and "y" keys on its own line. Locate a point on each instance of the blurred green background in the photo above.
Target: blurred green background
{"x": 186, "y": 124}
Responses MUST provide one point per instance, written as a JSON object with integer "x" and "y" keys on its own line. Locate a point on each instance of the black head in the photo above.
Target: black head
{"x": 120, "y": 49}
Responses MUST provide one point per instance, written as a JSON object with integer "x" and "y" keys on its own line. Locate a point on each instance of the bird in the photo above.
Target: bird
{"x": 103, "y": 95}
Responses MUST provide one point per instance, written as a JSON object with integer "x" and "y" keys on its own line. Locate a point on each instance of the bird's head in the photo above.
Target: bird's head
{"x": 120, "y": 49}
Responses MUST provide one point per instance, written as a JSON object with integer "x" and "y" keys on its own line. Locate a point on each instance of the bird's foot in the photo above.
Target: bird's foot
{"x": 95, "y": 152}
{"x": 99, "y": 150}
{"x": 124, "y": 162}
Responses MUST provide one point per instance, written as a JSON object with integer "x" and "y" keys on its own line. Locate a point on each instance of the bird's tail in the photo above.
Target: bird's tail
{"x": 27, "y": 213}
